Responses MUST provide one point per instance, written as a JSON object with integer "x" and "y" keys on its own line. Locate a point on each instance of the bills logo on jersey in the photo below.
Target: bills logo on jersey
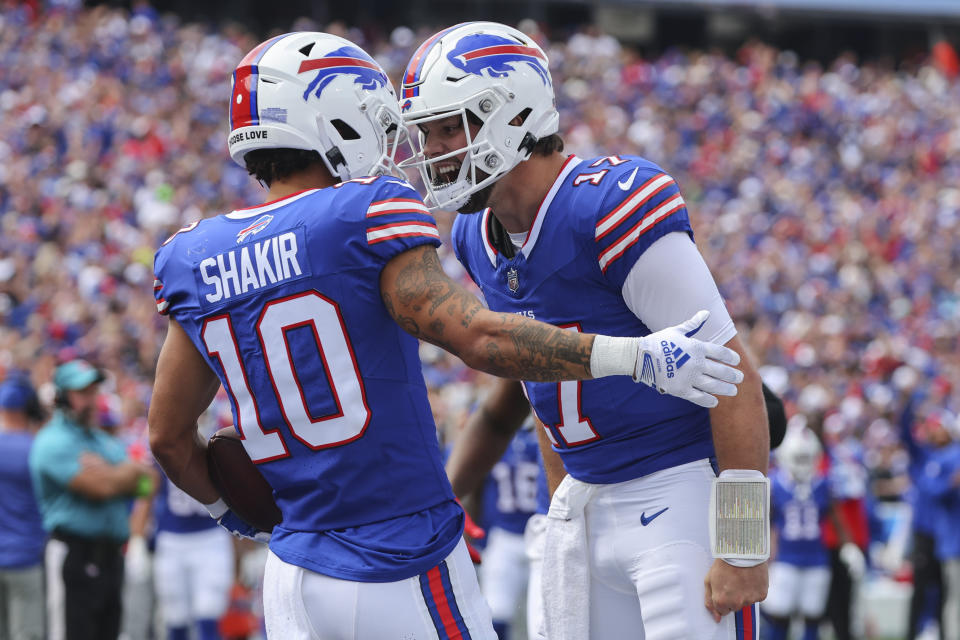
{"x": 513, "y": 279}
{"x": 343, "y": 61}
{"x": 497, "y": 56}
{"x": 254, "y": 228}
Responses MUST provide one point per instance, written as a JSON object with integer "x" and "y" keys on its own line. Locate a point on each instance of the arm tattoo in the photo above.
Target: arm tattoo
{"x": 425, "y": 300}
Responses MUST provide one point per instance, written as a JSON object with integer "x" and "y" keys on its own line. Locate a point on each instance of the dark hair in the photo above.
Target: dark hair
{"x": 548, "y": 144}
{"x": 268, "y": 165}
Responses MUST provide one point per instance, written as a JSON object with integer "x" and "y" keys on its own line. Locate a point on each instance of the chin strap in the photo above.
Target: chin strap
{"x": 499, "y": 238}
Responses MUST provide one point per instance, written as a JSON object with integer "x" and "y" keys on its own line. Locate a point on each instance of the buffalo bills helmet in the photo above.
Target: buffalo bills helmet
{"x": 798, "y": 453}
{"x": 489, "y": 73}
{"x": 319, "y": 92}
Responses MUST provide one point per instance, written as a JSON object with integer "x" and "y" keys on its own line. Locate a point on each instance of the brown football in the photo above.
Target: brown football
{"x": 239, "y": 481}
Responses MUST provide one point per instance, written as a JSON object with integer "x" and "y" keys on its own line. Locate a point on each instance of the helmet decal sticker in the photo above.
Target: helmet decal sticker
{"x": 496, "y": 55}
{"x": 343, "y": 61}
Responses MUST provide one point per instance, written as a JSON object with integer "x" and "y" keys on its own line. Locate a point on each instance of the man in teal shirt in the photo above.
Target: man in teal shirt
{"x": 84, "y": 483}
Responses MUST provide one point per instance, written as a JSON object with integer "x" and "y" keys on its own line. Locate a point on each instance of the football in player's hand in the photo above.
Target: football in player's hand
{"x": 239, "y": 481}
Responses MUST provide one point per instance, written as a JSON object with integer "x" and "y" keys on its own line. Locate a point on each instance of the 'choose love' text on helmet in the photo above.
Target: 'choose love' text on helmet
{"x": 497, "y": 75}
{"x": 312, "y": 90}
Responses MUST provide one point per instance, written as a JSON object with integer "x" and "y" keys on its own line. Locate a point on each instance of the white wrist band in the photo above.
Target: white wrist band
{"x": 613, "y": 356}
{"x": 217, "y": 508}
{"x": 740, "y": 517}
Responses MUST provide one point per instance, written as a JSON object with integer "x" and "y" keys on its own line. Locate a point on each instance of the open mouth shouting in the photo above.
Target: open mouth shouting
{"x": 444, "y": 172}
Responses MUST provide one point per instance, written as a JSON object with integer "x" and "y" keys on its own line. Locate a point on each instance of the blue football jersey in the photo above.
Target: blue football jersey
{"x": 283, "y": 301}
{"x": 597, "y": 219}
{"x": 798, "y": 512}
{"x": 510, "y": 491}
{"x": 176, "y": 511}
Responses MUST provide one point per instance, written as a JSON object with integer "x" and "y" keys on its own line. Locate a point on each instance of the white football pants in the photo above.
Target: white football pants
{"x": 441, "y": 604}
{"x": 648, "y": 553}
{"x": 503, "y": 574}
{"x": 193, "y": 573}
{"x": 797, "y": 590}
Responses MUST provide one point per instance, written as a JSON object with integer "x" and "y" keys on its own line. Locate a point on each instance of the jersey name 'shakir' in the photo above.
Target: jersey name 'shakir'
{"x": 283, "y": 302}
{"x": 252, "y": 267}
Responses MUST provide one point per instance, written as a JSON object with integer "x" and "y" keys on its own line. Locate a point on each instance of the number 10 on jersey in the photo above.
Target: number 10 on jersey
{"x": 279, "y": 317}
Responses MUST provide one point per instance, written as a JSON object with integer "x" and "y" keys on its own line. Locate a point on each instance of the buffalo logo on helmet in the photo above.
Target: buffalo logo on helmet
{"x": 497, "y": 56}
{"x": 343, "y": 61}
{"x": 406, "y": 105}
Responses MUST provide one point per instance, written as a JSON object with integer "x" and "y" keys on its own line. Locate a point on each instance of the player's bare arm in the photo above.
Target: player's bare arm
{"x": 552, "y": 462}
{"x": 486, "y": 436}
{"x": 741, "y": 439}
{"x": 429, "y": 305}
{"x": 184, "y": 387}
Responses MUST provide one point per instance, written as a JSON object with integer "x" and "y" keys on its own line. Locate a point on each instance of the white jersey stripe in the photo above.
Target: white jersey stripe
{"x": 631, "y": 204}
{"x": 619, "y": 247}
{"x": 397, "y": 205}
{"x": 389, "y": 232}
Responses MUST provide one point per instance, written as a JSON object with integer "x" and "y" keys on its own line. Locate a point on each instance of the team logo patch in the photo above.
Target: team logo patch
{"x": 496, "y": 56}
{"x": 344, "y": 61}
{"x": 255, "y": 228}
{"x": 513, "y": 279}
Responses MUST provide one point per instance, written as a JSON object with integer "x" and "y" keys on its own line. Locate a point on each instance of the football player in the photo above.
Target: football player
{"x": 509, "y": 500}
{"x": 600, "y": 244}
{"x": 193, "y": 565}
{"x": 307, "y": 310}
{"x": 800, "y": 501}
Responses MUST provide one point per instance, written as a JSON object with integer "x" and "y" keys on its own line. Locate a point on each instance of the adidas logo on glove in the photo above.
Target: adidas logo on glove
{"x": 674, "y": 356}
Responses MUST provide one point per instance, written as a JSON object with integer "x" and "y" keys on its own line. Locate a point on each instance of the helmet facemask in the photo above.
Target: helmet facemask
{"x": 488, "y": 74}
{"x": 482, "y": 163}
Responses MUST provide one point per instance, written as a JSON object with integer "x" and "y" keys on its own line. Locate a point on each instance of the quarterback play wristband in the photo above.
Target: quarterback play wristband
{"x": 740, "y": 517}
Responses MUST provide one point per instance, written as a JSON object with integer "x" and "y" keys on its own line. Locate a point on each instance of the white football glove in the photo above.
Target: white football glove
{"x": 853, "y": 558}
{"x": 672, "y": 361}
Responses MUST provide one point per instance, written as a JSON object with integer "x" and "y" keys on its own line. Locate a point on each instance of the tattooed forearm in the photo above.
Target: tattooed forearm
{"x": 426, "y": 303}
{"x": 544, "y": 352}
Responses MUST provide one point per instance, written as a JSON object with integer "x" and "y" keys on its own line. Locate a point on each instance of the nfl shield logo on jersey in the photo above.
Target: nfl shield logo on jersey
{"x": 513, "y": 279}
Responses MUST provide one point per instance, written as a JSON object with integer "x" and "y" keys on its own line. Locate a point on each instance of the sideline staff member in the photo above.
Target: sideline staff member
{"x": 84, "y": 482}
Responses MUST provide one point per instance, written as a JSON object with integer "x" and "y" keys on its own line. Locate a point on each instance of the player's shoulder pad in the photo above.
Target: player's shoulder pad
{"x": 377, "y": 188}
{"x": 628, "y": 179}
{"x": 170, "y": 247}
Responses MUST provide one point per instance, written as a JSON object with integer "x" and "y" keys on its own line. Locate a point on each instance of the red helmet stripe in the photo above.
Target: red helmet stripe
{"x": 412, "y": 74}
{"x": 244, "y": 111}
{"x": 502, "y": 49}
{"x": 326, "y": 63}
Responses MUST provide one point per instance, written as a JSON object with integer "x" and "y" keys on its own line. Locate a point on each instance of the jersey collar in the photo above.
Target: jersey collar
{"x": 569, "y": 165}
{"x": 249, "y": 212}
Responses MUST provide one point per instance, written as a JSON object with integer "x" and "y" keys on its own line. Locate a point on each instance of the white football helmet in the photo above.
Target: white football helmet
{"x": 799, "y": 453}
{"x": 497, "y": 74}
{"x": 312, "y": 90}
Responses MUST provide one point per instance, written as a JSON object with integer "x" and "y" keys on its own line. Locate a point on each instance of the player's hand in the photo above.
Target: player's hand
{"x": 853, "y": 558}
{"x": 729, "y": 588}
{"x": 673, "y": 361}
{"x": 241, "y": 528}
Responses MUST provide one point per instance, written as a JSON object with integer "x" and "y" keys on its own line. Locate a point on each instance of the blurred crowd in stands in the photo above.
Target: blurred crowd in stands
{"x": 826, "y": 199}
